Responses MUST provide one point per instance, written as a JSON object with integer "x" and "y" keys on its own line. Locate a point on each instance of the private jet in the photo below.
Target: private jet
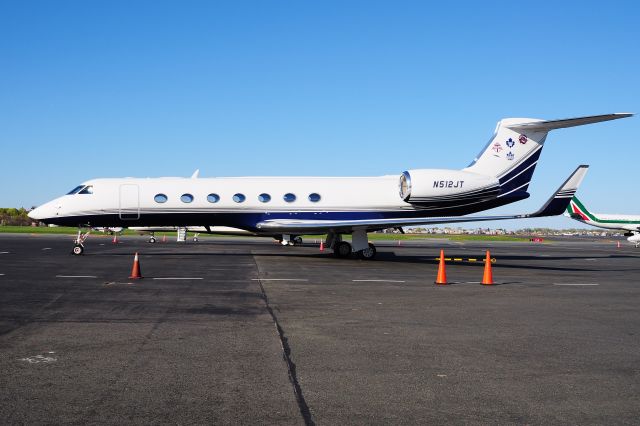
{"x": 334, "y": 206}
{"x": 629, "y": 224}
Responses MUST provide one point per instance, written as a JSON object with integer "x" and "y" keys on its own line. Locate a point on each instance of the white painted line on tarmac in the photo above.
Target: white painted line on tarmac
{"x": 47, "y": 248}
{"x": 1, "y": 275}
{"x": 576, "y": 284}
{"x": 378, "y": 281}
{"x": 76, "y": 276}
{"x": 178, "y": 278}
{"x": 279, "y": 279}
{"x": 4, "y": 252}
{"x": 591, "y": 259}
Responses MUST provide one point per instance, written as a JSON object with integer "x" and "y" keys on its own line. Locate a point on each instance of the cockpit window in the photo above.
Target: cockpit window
{"x": 87, "y": 190}
{"x": 75, "y": 190}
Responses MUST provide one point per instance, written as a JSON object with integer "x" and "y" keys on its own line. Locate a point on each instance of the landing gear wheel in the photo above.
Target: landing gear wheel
{"x": 343, "y": 249}
{"x": 77, "y": 250}
{"x": 152, "y": 240}
{"x": 297, "y": 240}
{"x": 368, "y": 253}
{"x": 195, "y": 239}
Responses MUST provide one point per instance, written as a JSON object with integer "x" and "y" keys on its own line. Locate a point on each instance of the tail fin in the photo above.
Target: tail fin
{"x": 513, "y": 152}
{"x": 578, "y": 211}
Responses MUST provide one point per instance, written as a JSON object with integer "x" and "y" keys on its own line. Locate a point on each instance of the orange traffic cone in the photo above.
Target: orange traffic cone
{"x": 487, "y": 278}
{"x": 164, "y": 238}
{"x": 399, "y": 242}
{"x": 115, "y": 238}
{"x": 618, "y": 244}
{"x": 135, "y": 271}
{"x": 321, "y": 245}
{"x": 441, "y": 278}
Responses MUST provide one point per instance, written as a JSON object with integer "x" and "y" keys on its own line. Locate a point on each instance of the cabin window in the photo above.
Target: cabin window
{"x": 314, "y": 198}
{"x": 186, "y": 198}
{"x": 213, "y": 198}
{"x": 75, "y": 190}
{"x": 239, "y": 198}
{"x": 160, "y": 198}
{"x": 264, "y": 198}
{"x": 87, "y": 190}
{"x": 289, "y": 197}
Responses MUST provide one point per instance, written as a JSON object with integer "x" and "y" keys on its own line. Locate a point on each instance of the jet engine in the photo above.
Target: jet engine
{"x": 435, "y": 186}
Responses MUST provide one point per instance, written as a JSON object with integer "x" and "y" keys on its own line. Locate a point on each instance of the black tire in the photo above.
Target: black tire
{"x": 342, "y": 249}
{"x": 152, "y": 240}
{"x": 77, "y": 250}
{"x": 297, "y": 240}
{"x": 195, "y": 239}
{"x": 368, "y": 253}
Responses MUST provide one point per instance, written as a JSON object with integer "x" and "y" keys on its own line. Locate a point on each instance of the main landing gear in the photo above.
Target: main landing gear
{"x": 359, "y": 246}
{"x": 78, "y": 243}
{"x": 152, "y": 237}
{"x": 288, "y": 240}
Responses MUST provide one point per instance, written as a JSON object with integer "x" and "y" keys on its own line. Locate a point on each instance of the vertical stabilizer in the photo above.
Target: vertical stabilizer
{"x": 510, "y": 155}
{"x": 578, "y": 211}
{"x": 513, "y": 152}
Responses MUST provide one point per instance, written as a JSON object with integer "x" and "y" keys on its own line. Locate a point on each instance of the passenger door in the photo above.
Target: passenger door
{"x": 129, "y": 202}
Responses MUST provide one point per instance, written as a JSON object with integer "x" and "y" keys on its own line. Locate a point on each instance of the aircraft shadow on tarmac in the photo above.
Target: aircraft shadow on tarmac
{"x": 520, "y": 262}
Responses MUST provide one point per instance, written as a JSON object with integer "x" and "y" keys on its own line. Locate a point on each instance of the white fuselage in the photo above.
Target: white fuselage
{"x": 622, "y": 222}
{"x": 239, "y": 202}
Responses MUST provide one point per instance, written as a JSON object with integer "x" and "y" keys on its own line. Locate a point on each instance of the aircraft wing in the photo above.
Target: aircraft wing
{"x": 556, "y": 205}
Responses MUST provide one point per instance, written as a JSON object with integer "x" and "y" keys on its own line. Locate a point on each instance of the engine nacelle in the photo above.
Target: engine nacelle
{"x": 635, "y": 239}
{"x": 443, "y": 186}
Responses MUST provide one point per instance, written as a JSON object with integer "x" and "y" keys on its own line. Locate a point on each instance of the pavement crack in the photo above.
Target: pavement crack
{"x": 305, "y": 412}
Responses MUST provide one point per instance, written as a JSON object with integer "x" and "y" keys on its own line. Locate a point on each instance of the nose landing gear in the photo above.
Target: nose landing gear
{"x": 78, "y": 243}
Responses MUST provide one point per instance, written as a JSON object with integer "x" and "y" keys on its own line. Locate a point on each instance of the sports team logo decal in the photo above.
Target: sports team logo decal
{"x": 510, "y": 156}
{"x": 523, "y": 139}
{"x": 497, "y": 147}
{"x": 510, "y": 143}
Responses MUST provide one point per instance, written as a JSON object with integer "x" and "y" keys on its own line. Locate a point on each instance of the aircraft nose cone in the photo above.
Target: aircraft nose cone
{"x": 44, "y": 212}
{"x": 36, "y": 214}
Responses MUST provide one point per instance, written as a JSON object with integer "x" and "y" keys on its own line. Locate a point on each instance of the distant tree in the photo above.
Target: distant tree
{"x": 14, "y": 217}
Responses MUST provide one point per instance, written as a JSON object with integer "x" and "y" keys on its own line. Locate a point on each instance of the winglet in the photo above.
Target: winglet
{"x": 196, "y": 174}
{"x": 560, "y": 200}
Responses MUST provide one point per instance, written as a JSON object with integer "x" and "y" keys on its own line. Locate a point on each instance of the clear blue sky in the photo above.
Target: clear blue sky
{"x": 112, "y": 89}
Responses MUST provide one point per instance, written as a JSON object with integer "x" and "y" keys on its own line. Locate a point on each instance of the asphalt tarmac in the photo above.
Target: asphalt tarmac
{"x": 244, "y": 331}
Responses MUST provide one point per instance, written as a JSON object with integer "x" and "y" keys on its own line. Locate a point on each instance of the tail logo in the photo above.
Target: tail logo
{"x": 523, "y": 139}
{"x": 510, "y": 143}
{"x": 497, "y": 147}
{"x": 577, "y": 212}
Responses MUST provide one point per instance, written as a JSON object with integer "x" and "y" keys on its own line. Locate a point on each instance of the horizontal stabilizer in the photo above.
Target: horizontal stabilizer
{"x": 547, "y": 125}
